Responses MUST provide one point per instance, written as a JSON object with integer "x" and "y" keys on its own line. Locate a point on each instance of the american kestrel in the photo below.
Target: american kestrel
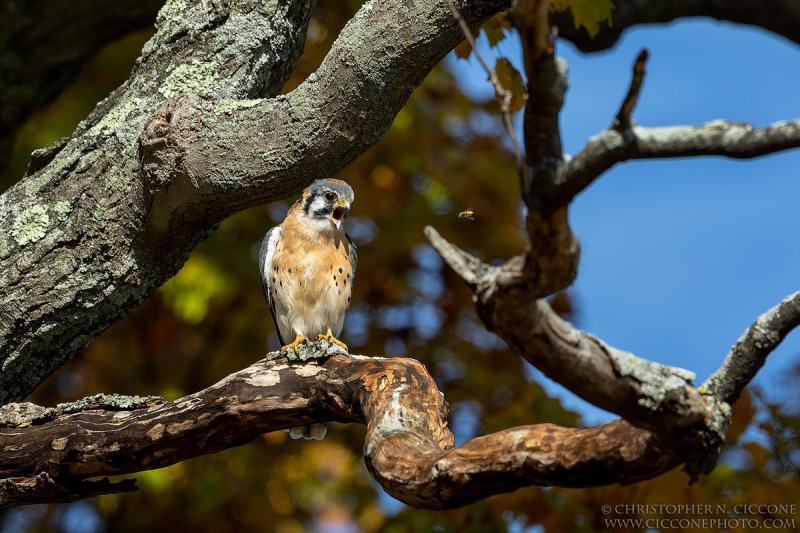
{"x": 308, "y": 266}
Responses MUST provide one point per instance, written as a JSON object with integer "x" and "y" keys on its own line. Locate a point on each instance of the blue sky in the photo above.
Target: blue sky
{"x": 680, "y": 256}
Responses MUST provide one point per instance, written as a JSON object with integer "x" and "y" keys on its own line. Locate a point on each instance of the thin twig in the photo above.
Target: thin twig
{"x": 623, "y": 120}
{"x": 502, "y": 95}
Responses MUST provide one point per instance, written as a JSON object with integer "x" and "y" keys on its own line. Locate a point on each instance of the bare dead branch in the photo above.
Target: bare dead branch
{"x": 623, "y": 120}
{"x": 750, "y": 352}
{"x": 647, "y": 394}
{"x": 730, "y": 139}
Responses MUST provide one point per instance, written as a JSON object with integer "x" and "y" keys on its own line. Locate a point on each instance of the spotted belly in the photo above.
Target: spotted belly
{"x": 312, "y": 292}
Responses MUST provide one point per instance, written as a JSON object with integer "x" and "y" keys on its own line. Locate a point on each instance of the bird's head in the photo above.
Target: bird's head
{"x": 327, "y": 202}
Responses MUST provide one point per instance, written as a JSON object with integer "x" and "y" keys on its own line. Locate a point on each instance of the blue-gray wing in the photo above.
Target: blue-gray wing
{"x": 265, "y": 256}
{"x": 353, "y": 256}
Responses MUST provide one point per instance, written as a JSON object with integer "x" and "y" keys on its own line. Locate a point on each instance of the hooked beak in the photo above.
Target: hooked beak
{"x": 341, "y": 210}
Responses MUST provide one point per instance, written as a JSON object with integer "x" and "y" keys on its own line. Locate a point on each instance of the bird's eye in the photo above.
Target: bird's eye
{"x": 329, "y": 196}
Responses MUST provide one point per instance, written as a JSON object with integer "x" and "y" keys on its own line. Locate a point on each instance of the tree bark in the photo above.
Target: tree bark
{"x": 49, "y": 454}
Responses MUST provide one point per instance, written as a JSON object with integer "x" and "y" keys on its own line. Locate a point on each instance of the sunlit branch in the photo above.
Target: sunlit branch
{"x": 645, "y": 393}
{"x": 50, "y": 454}
{"x": 750, "y": 352}
{"x": 722, "y": 138}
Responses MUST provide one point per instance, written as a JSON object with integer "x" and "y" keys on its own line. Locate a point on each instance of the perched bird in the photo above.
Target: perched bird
{"x": 308, "y": 266}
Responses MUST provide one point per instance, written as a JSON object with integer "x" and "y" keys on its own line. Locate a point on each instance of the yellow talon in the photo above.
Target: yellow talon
{"x": 333, "y": 340}
{"x": 295, "y": 344}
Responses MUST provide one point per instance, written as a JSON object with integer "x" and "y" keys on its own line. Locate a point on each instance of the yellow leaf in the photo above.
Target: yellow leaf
{"x": 511, "y": 80}
{"x": 591, "y": 13}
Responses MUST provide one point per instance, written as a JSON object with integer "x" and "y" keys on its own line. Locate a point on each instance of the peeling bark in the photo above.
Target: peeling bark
{"x": 48, "y": 455}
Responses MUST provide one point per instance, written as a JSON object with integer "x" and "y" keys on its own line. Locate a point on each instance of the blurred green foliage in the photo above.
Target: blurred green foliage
{"x": 444, "y": 154}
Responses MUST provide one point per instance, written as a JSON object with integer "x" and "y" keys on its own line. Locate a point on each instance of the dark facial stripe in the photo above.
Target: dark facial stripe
{"x": 307, "y": 204}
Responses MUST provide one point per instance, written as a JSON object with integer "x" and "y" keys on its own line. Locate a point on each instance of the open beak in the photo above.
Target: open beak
{"x": 341, "y": 210}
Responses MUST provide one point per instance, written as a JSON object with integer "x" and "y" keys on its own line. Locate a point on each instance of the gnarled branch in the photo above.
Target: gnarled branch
{"x": 648, "y": 395}
{"x": 50, "y": 453}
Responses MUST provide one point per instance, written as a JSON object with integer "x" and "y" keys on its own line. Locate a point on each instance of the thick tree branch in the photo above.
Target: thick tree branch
{"x": 750, "y": 352}
{"x": 648, "y": 395}
{"x": 336, "y": 114}
{"x": 408, "y": 449}
{"x": 779, "y": 16}
{"x": 75, "y": 249}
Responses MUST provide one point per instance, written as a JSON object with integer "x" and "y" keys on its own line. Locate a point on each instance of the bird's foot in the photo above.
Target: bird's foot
{"x": 302, "y": 349}
{"x": 332, "y": 340}
{"x": 295, "y": 344}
